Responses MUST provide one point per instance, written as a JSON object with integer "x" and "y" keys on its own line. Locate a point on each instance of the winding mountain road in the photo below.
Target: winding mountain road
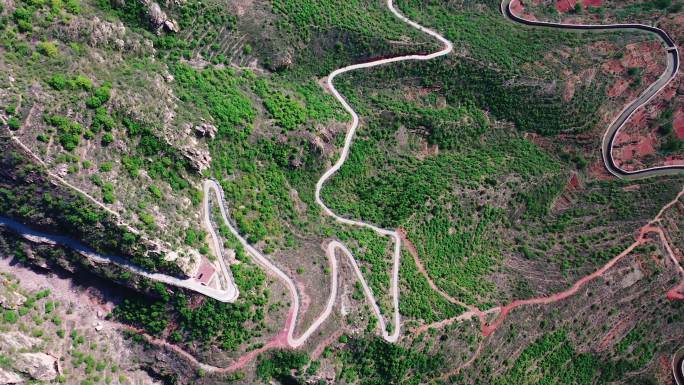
{"x": 670, "y": 72}
{"x": 229, "y": 292}
{"x": 447, "y": 48}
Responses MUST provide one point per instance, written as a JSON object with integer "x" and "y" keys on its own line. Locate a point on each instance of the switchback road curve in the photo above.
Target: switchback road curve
{"x": 665, "y": 78}
{"x": 230, "y": 292}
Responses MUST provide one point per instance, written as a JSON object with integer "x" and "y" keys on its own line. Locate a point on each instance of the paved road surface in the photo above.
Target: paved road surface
{"x": 230, "y": 293}
{"x": 665, "y": 78}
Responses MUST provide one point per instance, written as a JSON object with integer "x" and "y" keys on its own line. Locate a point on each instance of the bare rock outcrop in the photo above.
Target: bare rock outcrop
{"x": 10, "y": 299}
{"x": 7, "y": 377}
{"x": 158, "y": 17}
{"x": 187, "y": 259}
{"x": 200, "y": 159}
{"x": 39, "y": 366}
{"x": 206, "y": 129}
{"x": 98, "y": 32}
{"x": 11, "y": 341}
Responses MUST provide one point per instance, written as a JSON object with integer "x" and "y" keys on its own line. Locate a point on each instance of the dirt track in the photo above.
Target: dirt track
{"x": 676, "y": 293}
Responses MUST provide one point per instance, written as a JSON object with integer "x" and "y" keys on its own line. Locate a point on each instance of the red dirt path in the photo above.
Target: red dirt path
{"x": 489, "y": 329}
{"x": 566, "y": 5}
{"x": 676, "y": 293}
{"x": 619, "y": 328}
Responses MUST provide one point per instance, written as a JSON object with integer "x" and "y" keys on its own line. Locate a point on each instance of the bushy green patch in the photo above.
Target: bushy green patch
{"x": 287, "y": 112}
{"x": 69, "y": 131}
{"x": 538, "y": 199}
{"x": 320, "y": 107}
{"x": 151, "y": 315}
{"x": 99, "y": 96}
{"x": 280, "y": 363}
{"x": 61, "y": 82}
{"x": 418, "y": 299}
{"x": 48, "y": 48}
{"x": 217, "y": 92}
{"x": 374, "y": 361}
{"x": 161, "y": 160}
{"x": 553, "y": 358}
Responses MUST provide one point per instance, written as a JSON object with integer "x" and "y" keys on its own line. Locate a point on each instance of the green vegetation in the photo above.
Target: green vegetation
{"x": 212, "y": 323}
{"x": 13, "y": 123}
{"x": 150, "y": 315}
{"x": 280, "y": 363}
{"x": 433, "y": 156}
{"x": 375, "y": 362}
{"x": 307, "y": 17}
{"x": 418, "y": 299}
{"x": 160, "y": 160}
{"x": 553, "y": 358}
{"x": 287, "y": 112}
{"x": 537, "y": 200}
{"x": 48, "y": 49}
{"x": 498, "y": 51}
{"x": 69, "y": 132}
{"x": 563, "y": 238}
{"x": 457, "y": 252}
{"x": 27, "y": 199}
{"x": 375, "y": 254}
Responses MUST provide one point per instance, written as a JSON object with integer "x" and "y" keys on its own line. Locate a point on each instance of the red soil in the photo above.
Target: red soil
{"x": 565, "y": 198}
{"x": 612, "y": 333}
{"x": 574, "y": 182}
{"x": 620, "y": 86}
{"x": 633, "y": 146}
{"x": 565, "y": 5}
{"x": 674, "y": 160}
{"x": 569, "y": 89}
{"x": 316, "y": 354}
{"x": 676, "y": 293}
{"x": 678, "y": 124}
{"x": 637, "y": 120}
{"x": 205, "y": 273}
{"x": 516, "y": 7}
{"x": 597, "y": 170}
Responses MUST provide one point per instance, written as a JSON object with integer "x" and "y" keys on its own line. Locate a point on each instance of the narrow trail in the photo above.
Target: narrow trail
{"x": 670, "y": 72}
{"x": 641, "y": 239}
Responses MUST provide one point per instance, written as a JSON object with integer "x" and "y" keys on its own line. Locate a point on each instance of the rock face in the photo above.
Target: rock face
{"x": 16, "y": 341}
{"x": 7, "y": 377}
{"x": 158, "y": 18}
{"x": 199, "y": 158}
{"x": 39, "y": 366}
{"x": 10, "y": 299}
{"x": 206, "y": 129}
